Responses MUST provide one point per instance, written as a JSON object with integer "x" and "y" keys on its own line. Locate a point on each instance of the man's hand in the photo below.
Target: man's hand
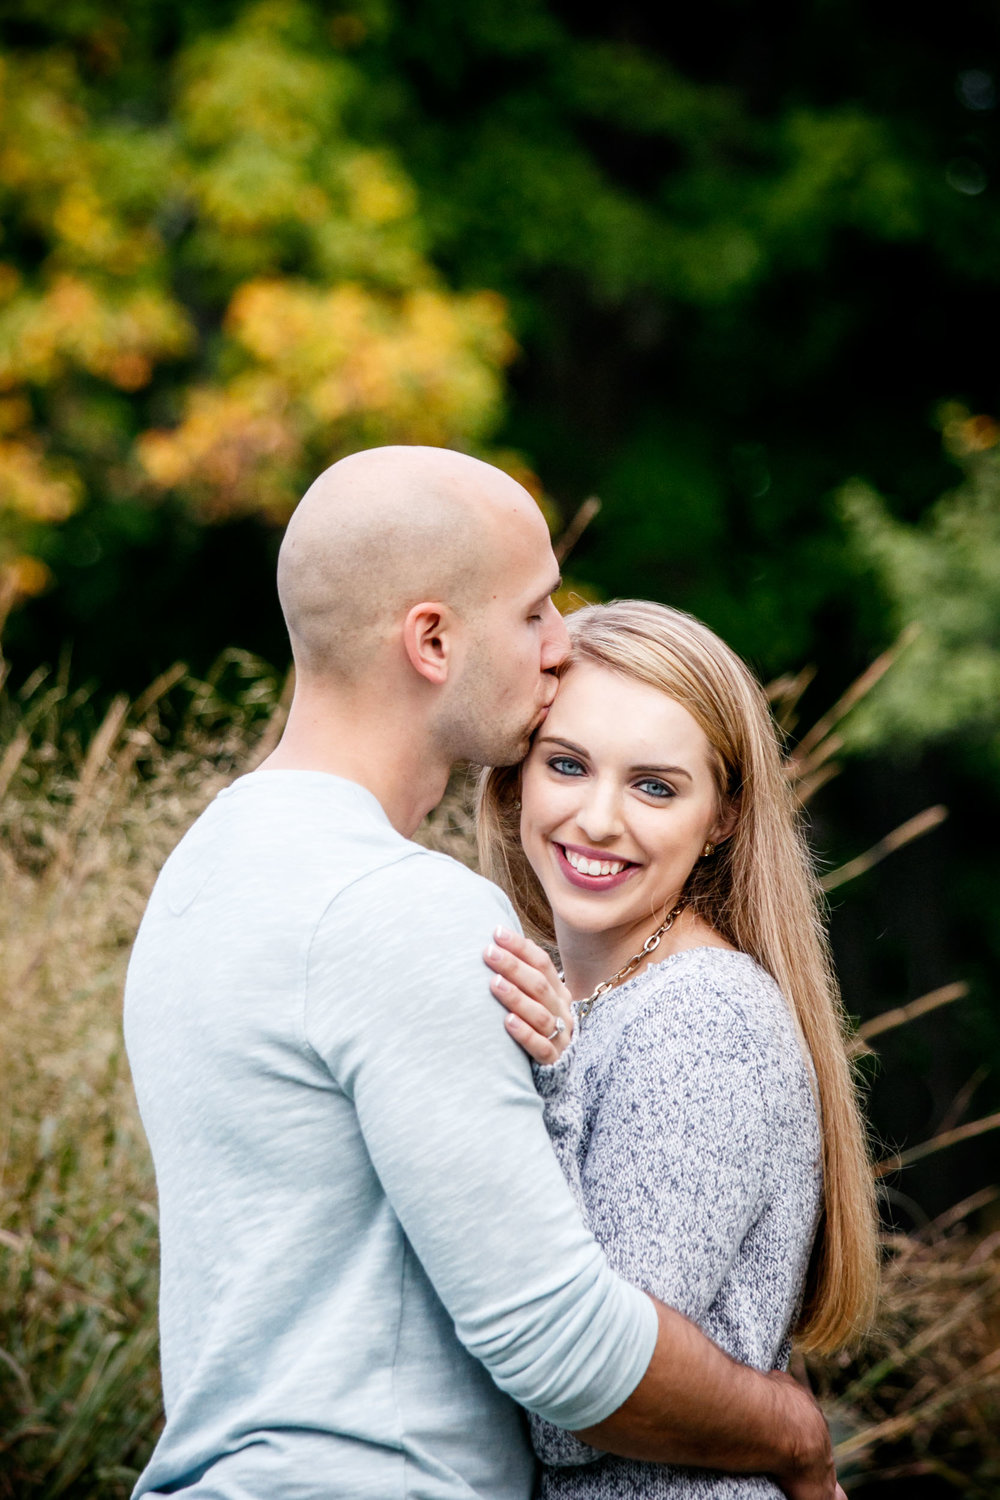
{"x": 810, "y": 1474}
{"x": 697, "y": 1406}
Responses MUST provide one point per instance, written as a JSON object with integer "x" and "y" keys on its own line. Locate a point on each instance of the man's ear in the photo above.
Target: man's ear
{"x": 429, "y": 640}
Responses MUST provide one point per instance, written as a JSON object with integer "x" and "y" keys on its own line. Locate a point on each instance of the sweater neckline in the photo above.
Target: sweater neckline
{"x": 671, "y": 958}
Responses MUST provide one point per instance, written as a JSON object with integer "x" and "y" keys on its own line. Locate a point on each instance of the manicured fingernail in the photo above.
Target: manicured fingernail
{"x": 500, "y": 984}
{"x": 500, "y": 933}
{"x": 491, "y": 951}
{"x": 512, "y": 1021}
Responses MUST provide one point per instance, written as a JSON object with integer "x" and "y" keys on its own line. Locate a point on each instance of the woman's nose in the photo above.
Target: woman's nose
{"x": 600, "y": 813}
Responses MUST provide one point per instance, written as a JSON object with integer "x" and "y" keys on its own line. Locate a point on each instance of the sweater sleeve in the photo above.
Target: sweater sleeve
{"x": 675, "y": 1170}
{"x": 454, "y": 1129}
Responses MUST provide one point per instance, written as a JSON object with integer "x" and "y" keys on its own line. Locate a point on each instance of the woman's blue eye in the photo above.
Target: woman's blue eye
{"x": 565, "y": 765}
{"x": 654, "y": 788}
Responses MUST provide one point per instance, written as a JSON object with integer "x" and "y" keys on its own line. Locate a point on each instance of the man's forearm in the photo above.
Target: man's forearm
{"x": 696, "y": 1405}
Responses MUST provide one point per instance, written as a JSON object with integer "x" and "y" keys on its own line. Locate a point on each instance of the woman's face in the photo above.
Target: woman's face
{"x": 617, "y": 803}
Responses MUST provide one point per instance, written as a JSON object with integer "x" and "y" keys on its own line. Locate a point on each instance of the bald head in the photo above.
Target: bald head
{"x": 381, "y": 531}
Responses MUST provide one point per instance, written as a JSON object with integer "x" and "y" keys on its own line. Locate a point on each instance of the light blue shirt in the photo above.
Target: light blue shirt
{"x": 369, "y": 1252}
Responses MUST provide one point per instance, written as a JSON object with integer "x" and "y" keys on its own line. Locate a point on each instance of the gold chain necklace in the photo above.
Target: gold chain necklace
{"x": 584, "y": 1007}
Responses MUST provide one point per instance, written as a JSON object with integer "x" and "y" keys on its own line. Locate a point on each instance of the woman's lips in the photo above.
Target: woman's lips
{"x": 592, "y": 882}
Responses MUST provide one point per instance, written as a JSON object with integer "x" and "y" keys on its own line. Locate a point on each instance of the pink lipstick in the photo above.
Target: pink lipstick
{"x": 587, "y": 882}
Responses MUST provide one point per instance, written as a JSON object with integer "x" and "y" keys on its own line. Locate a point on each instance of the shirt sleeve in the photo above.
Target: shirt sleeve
{"x": 401, "y": 1012}
{"x": 675, "y": 1170}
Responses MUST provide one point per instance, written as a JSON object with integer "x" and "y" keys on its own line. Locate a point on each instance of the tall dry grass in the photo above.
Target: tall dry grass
{"x": 89, "y": 807}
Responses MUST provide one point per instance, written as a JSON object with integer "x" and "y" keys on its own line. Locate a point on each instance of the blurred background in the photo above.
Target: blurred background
{"x": 733, "y": 269}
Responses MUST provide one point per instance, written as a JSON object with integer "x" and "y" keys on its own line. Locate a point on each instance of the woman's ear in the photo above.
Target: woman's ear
{"x": 429, "y": 640}
{"x": 726, "y": 825}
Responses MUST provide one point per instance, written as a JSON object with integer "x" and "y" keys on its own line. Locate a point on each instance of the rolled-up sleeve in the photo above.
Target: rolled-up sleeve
{"x": 454, "y": 1128}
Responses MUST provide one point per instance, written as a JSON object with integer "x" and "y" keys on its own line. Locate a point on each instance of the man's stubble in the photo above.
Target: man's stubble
{"x": 478, "y": 728}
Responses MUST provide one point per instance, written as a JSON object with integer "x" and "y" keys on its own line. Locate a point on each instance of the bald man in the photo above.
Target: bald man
{"x": 369, "y": 1254}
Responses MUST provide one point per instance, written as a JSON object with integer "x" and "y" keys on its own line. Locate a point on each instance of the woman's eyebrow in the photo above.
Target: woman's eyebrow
{"x": 661, "y": 771}
{"x": 550, "y": 739}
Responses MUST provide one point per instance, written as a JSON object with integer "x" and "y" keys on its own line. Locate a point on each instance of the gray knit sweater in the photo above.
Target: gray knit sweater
{"x": 683, "y": 1118}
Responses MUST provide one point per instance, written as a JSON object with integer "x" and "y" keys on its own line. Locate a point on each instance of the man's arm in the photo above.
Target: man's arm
{"x": 695, "y": 1405}
{"x": 675, "y": 1167}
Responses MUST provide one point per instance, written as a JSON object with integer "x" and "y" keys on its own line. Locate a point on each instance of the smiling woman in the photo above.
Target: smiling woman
{"x": 705, "y": 1112}
{"x": 615, "y": 815}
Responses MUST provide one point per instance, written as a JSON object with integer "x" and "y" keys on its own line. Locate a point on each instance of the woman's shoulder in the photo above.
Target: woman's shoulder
{"x": 709, "y": 992}
{"x": 714, "y": 973}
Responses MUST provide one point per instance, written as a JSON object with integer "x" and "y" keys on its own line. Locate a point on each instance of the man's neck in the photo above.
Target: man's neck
{"x": 393, "y": 760}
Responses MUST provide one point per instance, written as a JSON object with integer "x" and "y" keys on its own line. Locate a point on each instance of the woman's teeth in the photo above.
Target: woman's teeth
{"x": 594, "y": 866}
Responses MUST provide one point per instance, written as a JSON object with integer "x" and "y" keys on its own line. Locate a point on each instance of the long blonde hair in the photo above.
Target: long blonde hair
{"x": 759, "y": 891}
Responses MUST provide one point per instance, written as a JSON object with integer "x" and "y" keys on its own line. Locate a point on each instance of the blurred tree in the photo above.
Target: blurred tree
{"x": 941, "y": 575}
{"x": 728, "y": 237}
{"x": 929, "y": 731}
{"x": 209, "y": 306}
{"x": 725, "y": 238}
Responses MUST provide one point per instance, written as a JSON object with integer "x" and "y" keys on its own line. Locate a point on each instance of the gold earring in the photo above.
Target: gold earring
{"x": 517, "y": 805}
{"x": 708, "y": 849}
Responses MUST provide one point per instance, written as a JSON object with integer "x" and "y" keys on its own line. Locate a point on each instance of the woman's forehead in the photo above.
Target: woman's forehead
{"x": 621, "y": 714}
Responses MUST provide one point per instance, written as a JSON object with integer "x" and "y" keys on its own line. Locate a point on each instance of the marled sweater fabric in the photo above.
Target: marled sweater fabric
{"x": 684, "y": 1120}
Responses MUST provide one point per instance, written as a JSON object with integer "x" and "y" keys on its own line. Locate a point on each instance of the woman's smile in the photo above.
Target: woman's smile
{"x": 592, "y": 869}
{"x": 618, "y": 799}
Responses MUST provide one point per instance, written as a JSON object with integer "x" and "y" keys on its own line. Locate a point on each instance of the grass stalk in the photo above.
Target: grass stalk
{"x": 89, "y": 807}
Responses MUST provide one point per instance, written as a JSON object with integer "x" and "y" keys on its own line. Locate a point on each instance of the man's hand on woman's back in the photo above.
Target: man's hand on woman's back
{"x": 811, "y": 1475}
{"x": 697, "y": 1406}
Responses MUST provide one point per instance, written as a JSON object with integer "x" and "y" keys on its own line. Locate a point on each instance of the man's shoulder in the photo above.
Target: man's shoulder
{"x": 423, "y": 881}
{"x": 421, "y": 913}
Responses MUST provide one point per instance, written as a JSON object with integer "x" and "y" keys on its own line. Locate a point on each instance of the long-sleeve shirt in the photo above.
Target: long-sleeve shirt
{"x": 369, "y": 1252}
{"x": 684, "y": 1119}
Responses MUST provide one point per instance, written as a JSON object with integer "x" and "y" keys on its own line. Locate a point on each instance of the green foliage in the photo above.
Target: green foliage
{"x": 242, "y": 237}
{"x": 942, "y": 580}
{"x": 212, "y": 305}
{"x": 715, "y": 245}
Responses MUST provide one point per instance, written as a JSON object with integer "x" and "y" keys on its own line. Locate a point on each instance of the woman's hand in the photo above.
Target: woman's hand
{"x": 526, "y": 982}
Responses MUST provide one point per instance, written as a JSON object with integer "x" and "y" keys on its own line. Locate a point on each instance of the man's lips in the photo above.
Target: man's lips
{"x": 584, "y": 881}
